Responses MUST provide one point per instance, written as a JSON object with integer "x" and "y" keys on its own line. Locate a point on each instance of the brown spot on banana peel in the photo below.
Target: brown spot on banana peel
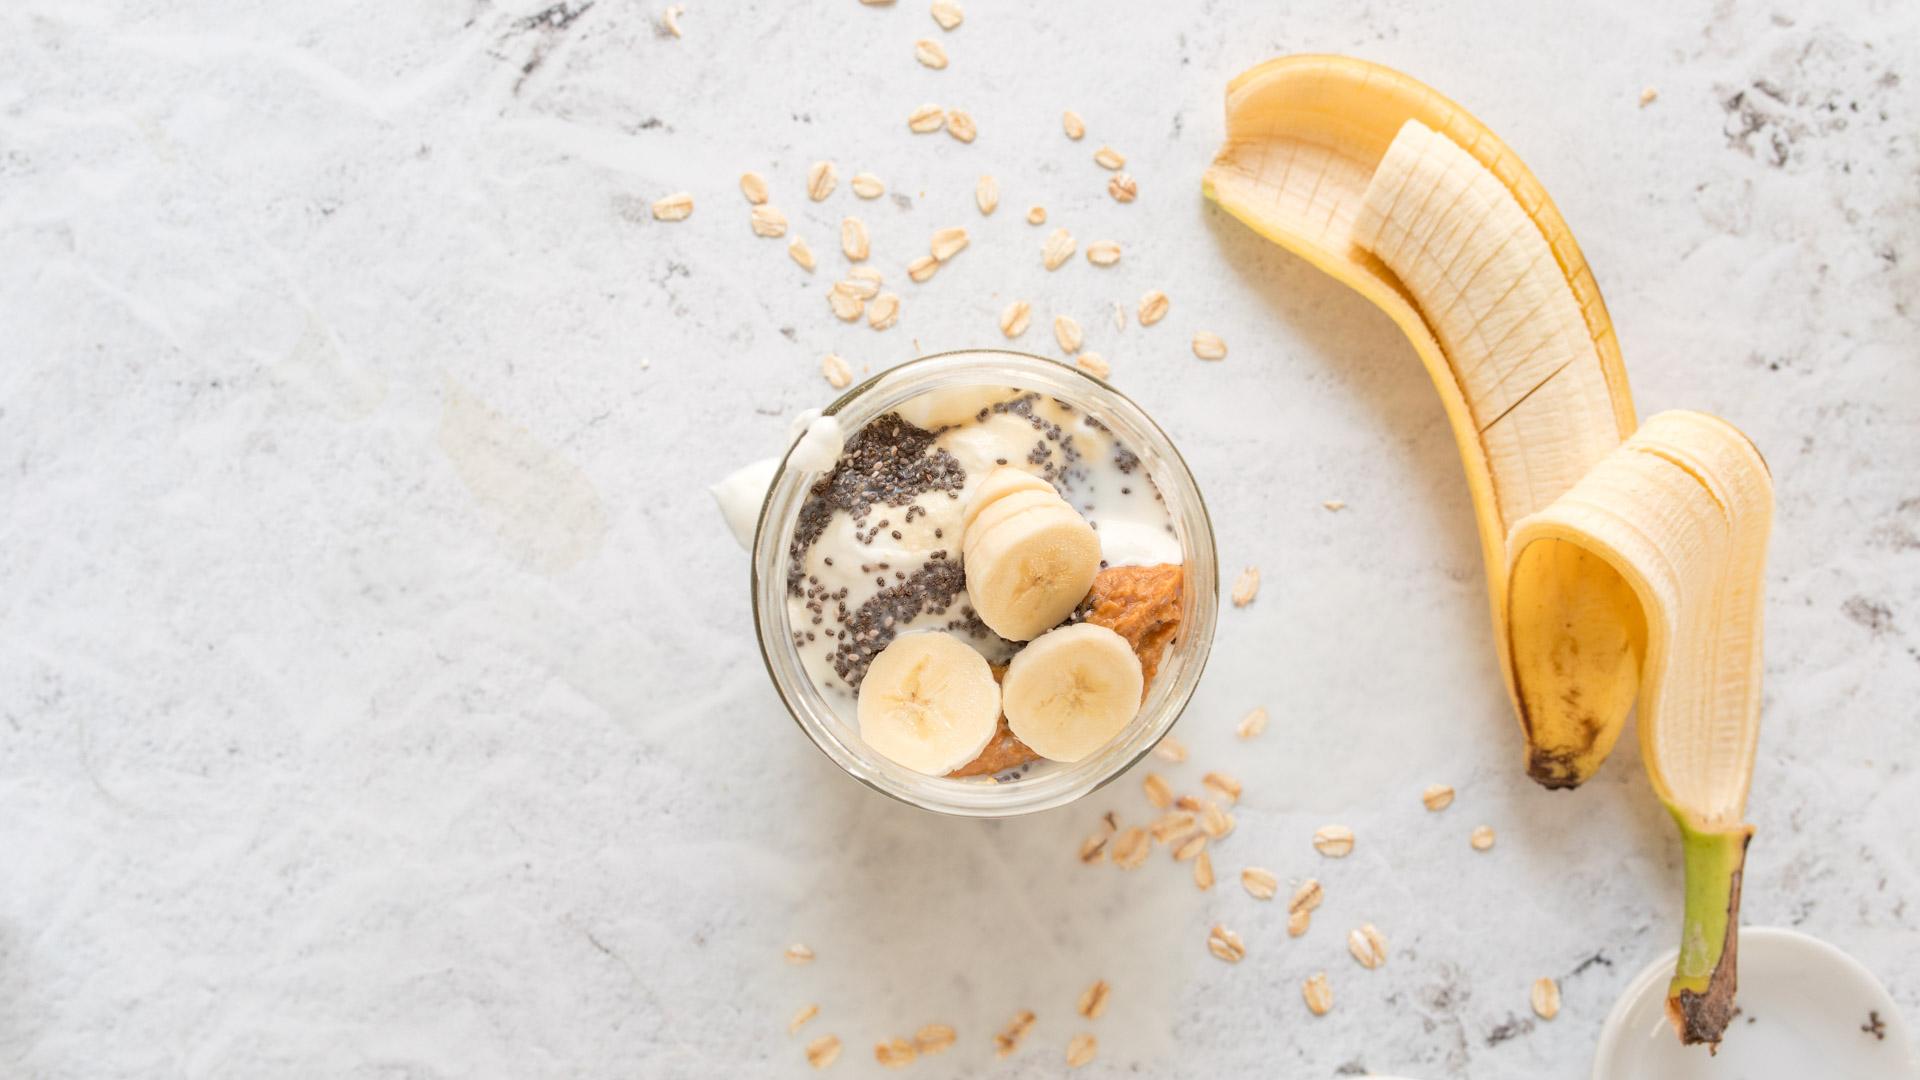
{"x": 1702, "y": 1016}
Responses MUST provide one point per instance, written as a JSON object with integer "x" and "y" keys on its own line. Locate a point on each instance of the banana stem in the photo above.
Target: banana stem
{"x": 1700, "y": 996}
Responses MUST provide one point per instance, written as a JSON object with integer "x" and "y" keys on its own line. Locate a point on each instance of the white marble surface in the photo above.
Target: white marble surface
{"x": 378, "y": 692}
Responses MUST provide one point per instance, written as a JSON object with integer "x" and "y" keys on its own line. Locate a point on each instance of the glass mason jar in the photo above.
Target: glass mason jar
{"x": 835, "y": 730}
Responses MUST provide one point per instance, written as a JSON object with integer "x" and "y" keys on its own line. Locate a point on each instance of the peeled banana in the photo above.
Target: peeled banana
{"x": 1623, "y": 565}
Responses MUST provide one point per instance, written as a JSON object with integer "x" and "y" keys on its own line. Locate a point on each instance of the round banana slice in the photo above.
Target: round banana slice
{"x": 929, "y": 702}
{"x": 1004, "y": 509}
{"x": 936, "y": 409}
{"x": 1028, "y": 572}
{"x": 1072, "y": 690}
{"x": 999, "y": 483}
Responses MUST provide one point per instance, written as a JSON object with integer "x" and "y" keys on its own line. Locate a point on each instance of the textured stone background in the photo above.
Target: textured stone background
{"x": 377, "y": 688}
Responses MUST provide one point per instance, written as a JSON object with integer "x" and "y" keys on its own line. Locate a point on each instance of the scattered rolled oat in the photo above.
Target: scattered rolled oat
{"x": 1190, "y": 803}
{"x": 1437, "y": 797}
{"x": 1171, "y": 824}
{"x": 1190, "y": 847}
{"x": 1119, "y": 315}
{"x": 1203, "y": 872}
{"x": 754, "y": 187}
{"x": 1093, "y": 847}
{"x": 926, "y": 119}
{"x": 1647, "y": 96}
{"x": 1093, "y": 364}
{"x": 934, "y": 1038}
{"x": 823, "y": 1051}
{"x": 1215, "y": 822}
{"x": 853, "y": 238}
{"x": 1093, "y": 1000}
{"x": 1208, "y": 346}
{"x": 884, "y": 311}
{"x": 947, "y": 14}
{"x": 1335, "y": 505}
{"x": 876, "y": 3}
{"x": 675, "y": 207}
{"x": 1013, "y": 320}
{"x": 1123, "y": 188}
{"x": 1222, "y": 785}
{"x": 867, "y": 186}
{"x": 1482, "y": 838}
{"x": 806, "y": 1013}
{"x": 846, "y": 306}
{"x": 930, "y": 53}
{"x": 799, "y": 954}
{"x": 1131, "y": 848}
{"x": 1008, "y": 1040}
{"x": 1307, "y": 896}
{"x": 1260, "y": 884}
{"x": 1171, "y": 749}
{"x": 671, "y": 18}
{"x": 947, "y": 243}
{"x": 922, "y": 268}
{"x": 1153, "y": 307}
{"x": 1066, "y": 331}
{"x": 1246, "y": 587}
{"x": 1546, "y": 998}
{"x": 1036, "y": 215}
{"x": 1319, "y": 995}
{"x": 986, "y": 193}
{"x": 1333, "y": 841}
{"x": 1368, "y": 946}
{"x": 894, "y": 1053}
{"x": 1226, "y": 944}
{"x": 960, "y": 125}
{"x": 821, "y": 177}
{"x": 860, "y": 287}
{"x": 1159, "y": 793}
{"x": 1103, "y": 252}
{"x": 1058, "y": 249}
{"x": 1109, "y": 158}
{"x": 1075, "y": 127}
{"x": 769, "y": 221}
{"x": 1081, "y": 1050}
{"x": 1298, "y": 921}
{"x": 799, "y": 252}
{"x": 1252, "y": 724}
{"x": 839, "y": 375}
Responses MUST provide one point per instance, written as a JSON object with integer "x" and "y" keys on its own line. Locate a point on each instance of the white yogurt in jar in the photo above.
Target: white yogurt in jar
{"x": 877, "y": 549}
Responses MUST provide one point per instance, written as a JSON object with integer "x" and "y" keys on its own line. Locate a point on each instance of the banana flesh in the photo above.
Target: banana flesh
{"x": 1624, "y": 563}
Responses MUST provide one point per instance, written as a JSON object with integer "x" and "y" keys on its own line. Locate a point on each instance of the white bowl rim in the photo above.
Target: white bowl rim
{"x": 1656, "y": 973}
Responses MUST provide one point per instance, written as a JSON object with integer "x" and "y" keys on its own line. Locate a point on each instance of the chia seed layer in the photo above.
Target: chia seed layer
{"x": 886, "y": 462}
{"x": 893, "y": 474}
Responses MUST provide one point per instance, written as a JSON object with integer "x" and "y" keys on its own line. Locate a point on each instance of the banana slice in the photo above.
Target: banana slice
{"x": 936, "y": 409}
{"x": 929, "y": 702}
{"x": 1029, "y": 556}
{"x": 999, "y": 483}
{"x": 1071, "y": 690}
{"x": 1005, "y": 509}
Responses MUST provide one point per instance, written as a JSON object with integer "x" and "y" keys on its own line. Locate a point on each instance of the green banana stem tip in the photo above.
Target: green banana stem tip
{"x": 1700, "y": 997}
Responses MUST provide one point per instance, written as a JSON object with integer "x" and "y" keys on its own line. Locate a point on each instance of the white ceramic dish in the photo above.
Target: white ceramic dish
{"x": 1804, "y": 1006}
